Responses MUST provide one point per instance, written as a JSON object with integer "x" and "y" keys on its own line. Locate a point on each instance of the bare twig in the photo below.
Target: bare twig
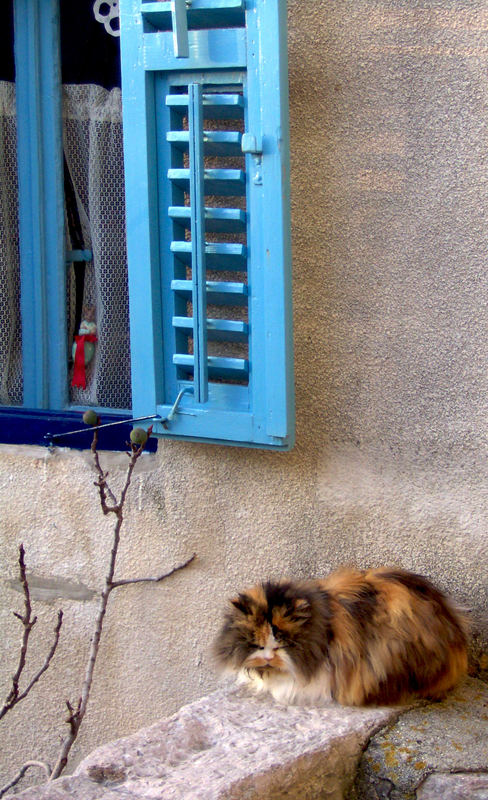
{"x": 28, "y": 621}
{"x": 76, "y": 711}
{"x": 76, "y": 715}
{"x": 116, "y": 584}
{"x": 102, "y": 476}
{"x": 20, "y": 774}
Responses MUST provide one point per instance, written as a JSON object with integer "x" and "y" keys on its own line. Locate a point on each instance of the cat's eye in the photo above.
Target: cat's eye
{"x": 280, "y": 635}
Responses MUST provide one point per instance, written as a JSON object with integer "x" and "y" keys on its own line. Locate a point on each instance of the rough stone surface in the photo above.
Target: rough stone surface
{"x": 471, "y": 786}
{"x": 450, "y": 736}
{"x": 226, "y": 746}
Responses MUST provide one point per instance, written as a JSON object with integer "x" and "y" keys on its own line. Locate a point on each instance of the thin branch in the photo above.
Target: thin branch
{"x": 47, "y": 661}
{"x": 21, "y": 773}
{"x": 28, "y": 621}
{"x": 77, "y": 712}
{"x": 71, "y": 719}
{"x": 103, "y": 490}
{"x": 76, "y": 717}
{"x": 116, "y": 584}
{"x": 102, "y": 482}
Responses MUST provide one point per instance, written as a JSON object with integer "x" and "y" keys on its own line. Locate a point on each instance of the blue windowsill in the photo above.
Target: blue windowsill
{"x": 32, "y": 426}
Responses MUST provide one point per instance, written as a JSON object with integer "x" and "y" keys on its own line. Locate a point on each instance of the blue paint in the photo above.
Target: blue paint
{"x": 224, "y": 182}
{"x": 170, "y": 232}
{"x": 200, "y": 14}
{"x": 208, "y": 49}
{"x": 217, "y": 106}
{"x": 197, "y": 179}
{"x": 41, "y": 203}
{"x": 144, "y": 275}
{"x": 224, "y": 330}
{"x": 32, "y": 426}
{"x": 180, "y": 28}
{"x": 216, "y": 143}
{"x": 219, "y": 293}
{"x": 43, "y": 258}
{"x": 217, "y": 220}
{"x": 219, "y": 256}
{"x": 217, "y": 367}
{"x": 268, "y": 201}
{"x": 233, "y": 72}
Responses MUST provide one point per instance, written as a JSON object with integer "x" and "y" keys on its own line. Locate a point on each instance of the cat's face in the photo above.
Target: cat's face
{"x": 269, "y": 630}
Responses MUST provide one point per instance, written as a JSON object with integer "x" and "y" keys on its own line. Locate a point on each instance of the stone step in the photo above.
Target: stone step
{"x": 227, "y": 746}
{"x": 233, "y": 745}
{"x": 446, "y": 737}
{"x": 469, "y": 786}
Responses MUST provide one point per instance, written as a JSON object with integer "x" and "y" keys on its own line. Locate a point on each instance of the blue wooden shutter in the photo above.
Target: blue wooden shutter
{"x": 205, "y": 112}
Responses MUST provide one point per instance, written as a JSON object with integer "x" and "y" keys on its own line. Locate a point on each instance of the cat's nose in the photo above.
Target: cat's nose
{"x": 268, "y": 655}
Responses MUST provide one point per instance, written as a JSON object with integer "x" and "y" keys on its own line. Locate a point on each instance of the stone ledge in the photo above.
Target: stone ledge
{"x": 446, "y": 737}
{"x": 226, "y": 746}
{"x": 233, "y": 745}
{"x": 469, "y": 786}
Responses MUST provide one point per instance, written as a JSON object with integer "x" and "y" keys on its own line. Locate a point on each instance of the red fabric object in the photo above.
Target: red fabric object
{"x": 79, "y": 372}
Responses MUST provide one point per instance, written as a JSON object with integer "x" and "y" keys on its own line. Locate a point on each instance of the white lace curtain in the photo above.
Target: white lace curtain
{"x": 92, "y": 122}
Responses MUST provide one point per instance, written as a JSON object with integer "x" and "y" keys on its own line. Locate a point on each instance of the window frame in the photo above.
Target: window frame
{"x": 43, "y": 254}
{"x": 45, "y": 416}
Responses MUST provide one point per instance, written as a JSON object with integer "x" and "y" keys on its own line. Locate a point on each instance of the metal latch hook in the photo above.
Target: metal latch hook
{"x": 252, "y": 145}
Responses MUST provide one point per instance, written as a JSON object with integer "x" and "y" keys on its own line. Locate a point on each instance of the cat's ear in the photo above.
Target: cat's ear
{"x": 242, "y": 603}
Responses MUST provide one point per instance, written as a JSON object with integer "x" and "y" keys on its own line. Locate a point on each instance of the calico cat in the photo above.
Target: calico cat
{"x": 372, "y": 637}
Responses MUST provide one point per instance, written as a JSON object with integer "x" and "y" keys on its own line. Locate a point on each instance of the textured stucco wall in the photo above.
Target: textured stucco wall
{"x": 390, "y": 239}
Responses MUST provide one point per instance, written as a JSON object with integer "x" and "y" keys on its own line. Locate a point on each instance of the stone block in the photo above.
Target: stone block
{"x": 449, "y": 736}
{"x": 227, "y": 746}
{"x": 469, "y": 786}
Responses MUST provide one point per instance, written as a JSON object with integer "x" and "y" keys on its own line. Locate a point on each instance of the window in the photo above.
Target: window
{"x": 63, "y": 253}
{"x": 206, "y": 172}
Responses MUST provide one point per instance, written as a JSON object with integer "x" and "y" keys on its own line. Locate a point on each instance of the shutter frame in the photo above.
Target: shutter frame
{"x": 255, "y": 405}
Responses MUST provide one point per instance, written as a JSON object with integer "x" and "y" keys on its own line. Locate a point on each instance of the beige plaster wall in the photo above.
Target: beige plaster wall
{"x": 390, "y": 241}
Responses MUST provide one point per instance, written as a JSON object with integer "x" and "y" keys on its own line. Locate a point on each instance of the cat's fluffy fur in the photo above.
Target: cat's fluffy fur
{"x": 380, "y": 636}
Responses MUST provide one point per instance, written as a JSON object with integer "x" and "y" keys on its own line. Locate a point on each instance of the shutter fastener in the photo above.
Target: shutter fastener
{"x": 252, "y": 145}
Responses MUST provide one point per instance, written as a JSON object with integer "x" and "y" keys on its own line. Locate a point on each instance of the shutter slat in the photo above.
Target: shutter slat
{"x": 218, "y": 292}
{"x": 218, "y": 330}
{"x": 224, "y": 182}
{"x": 201, "y": 14}
{"x": 218, "y": 366}
{"x": 219, "y": 256}
{"x": 217, "y": 220}
{"x": 215, "y": 143}
{"x": 215, "y": 106}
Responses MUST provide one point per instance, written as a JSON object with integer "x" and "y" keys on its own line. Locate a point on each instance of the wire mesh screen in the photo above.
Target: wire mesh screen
{"x": 92, "y": 118}
{"x": 92, "y": 121}
{"x": 10, "y": 325}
